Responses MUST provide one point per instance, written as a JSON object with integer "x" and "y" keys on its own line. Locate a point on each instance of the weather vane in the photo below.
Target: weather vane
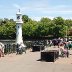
{"x": 19, "y": 10}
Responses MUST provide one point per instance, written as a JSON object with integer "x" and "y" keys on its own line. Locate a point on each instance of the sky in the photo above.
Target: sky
{"x": 36, "y": 9}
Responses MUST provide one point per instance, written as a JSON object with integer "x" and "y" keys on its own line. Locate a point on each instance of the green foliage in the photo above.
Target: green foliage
{"x": 25, "y": 18}
{"x": 45, "y": 27}
{"x": 29, "y": 28}
{"x": 58, "y": 21}
{"x": 7, "y": 30}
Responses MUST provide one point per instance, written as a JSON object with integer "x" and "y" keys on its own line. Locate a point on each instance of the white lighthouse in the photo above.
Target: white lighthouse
{"x": 19, "y": 23}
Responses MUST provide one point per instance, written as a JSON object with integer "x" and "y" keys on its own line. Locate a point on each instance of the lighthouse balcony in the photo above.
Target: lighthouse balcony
{"x": 19, "y": 21}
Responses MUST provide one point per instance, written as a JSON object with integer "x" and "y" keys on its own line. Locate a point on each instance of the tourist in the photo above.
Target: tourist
{"x": 1, "y": 50}
{"x": 70, "y": 45}
{"x": 67, "y": 53}
{"x": 23, "y": 47}
{"x": 66, "y": 45}
{"x": 20, "y": 49}
{"x": 17, "y": 48}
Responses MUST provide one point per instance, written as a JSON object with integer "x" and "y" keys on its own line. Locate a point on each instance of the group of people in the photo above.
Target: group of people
{"x": 20, "y": 48}
{"x": 55, "y": 42}
{"x": 64, "y": 51}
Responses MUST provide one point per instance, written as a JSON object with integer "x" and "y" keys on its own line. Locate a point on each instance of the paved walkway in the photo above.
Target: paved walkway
{"x": 28, "y": 63}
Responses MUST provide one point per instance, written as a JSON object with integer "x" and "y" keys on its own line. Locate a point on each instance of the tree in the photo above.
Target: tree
{"x": 29, "y": 28}
{"x": 45, "y": 24}
{"x": 1, "y": 21}
{"x": 7, "y": 30}
{"x": 58, "y": 29}
{"x": 58, "y": 21}
{"x": 25, "y": 18}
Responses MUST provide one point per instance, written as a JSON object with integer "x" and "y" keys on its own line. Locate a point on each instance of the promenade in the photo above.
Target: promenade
{"x": 29, "y": 63}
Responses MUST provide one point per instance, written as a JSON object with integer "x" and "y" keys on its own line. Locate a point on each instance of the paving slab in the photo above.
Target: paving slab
{"x": 29, "y": 63}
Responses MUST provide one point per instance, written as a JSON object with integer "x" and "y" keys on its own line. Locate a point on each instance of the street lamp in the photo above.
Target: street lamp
{"x": 66, "y": 33}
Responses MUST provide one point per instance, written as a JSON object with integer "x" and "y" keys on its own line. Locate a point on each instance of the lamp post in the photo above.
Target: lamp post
{"x": 66, "y": 33}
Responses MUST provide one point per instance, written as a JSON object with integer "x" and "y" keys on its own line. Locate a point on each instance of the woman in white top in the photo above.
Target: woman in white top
{"x": 1, "y": 49}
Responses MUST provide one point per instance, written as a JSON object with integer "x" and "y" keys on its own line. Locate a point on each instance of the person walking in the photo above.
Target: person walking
{"x": 1, "y": 50}
{"x": 23, "y": 47}
{"x": 17, "y": 48}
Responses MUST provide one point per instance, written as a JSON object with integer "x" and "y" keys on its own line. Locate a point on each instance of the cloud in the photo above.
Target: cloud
{"x": 57, "y": 12}
{"x": 36, "y": 11}
{"x": 16, "y": 6}
{"x": 61, "y": 9}
{"x": 37, "y": 18}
